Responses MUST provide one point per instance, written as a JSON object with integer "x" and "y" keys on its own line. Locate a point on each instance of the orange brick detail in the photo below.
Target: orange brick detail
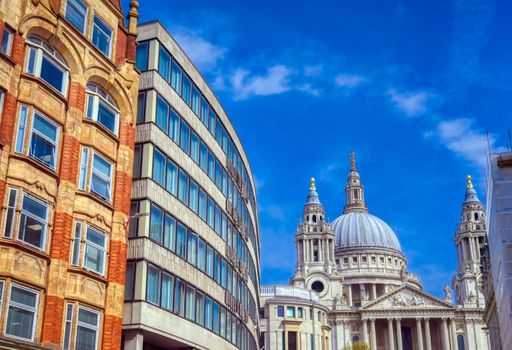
{"x": 112, "y": 328}
{"x": 120, "y": 45}
{"x": 123, "y": 192}
{"x": 76, "y": 95}
{"x": 117, "y": 262}
{"x": 8, "y": 120}
{"x": 18, "y": 49}
{"x": 69, "y": 158}
{"x": 61, "y": 235}
{"x": 53, "y": 319}
{"x": 127, "y": 135}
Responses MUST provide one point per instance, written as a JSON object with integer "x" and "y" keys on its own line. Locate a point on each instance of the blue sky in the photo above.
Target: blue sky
{"x": 412, "y": 86}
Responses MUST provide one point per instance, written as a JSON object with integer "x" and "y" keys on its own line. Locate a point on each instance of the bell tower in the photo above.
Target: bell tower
{"x": 314, "y": 238}
{"x": 470, "y": 240}
{"x": 354, "y": 191}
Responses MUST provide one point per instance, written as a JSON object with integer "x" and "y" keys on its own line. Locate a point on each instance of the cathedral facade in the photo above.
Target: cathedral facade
{"x": 358, "y": 273}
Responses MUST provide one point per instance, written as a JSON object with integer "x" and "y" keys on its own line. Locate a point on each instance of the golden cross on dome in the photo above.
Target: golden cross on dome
{"x": 312, "y": 184}
{"x": 470, "y": 183}
{"x": 352, "y": 156}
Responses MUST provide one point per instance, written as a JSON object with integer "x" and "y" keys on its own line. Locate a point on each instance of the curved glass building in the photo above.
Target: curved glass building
{"x": 192, "y": 276}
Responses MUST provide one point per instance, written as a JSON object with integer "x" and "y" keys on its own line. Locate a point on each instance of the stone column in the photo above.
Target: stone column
{"x": 399, "y": 334}
{"x": 427, "y": 334}
{"x": 453, "y": 334}
{"x": 133, "y": 340}
{"x": 364, "y": 336}
{"x": 345, "y": 335}
{"x": 419, "y": 334}
{"x": 391, "y": 335}
{"x": 340, "y": 336}
{"x": 373, "y": 336}
{"x": 444, "y": 335}
{"x": 374, "y": 291}
{"x": 350, "y": 295}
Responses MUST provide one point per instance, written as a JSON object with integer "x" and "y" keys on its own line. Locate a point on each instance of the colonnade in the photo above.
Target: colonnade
{"x": 422, "y": 329}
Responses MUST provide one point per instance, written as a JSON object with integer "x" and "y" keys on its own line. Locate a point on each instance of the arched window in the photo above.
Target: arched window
{"x": 355, "y": 338}
{"x": 102, "y": 108}
{"x": 476, "y": 216}
{"x": 46, "y": 63}
{"x": 355, "y": 194}
{"x": 314, "y": 219}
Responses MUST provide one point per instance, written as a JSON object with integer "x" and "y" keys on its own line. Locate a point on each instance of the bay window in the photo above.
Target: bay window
{"x": 96, "y": 174}
{"x": 102, "y": 108}
{"x": 42, "y": 136}
{"x": 46, "y": 63}
{"x": 142, "y": 56}
{"x": 76, "y": 14}
{"x": 102, "y": 36}
{"x": 22, "y": 312}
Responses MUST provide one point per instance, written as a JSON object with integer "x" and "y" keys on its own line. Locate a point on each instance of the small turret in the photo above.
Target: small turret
{"x": 354, "y": 190}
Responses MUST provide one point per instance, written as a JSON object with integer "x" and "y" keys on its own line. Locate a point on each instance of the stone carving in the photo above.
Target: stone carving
{"x": 447, "y": 292}
{"x": 407, "y": 299}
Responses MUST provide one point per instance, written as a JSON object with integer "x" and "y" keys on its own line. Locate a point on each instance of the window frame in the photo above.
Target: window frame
{"x": 94, "y": 245}
{"x": 86, "y": 15}
{"x": 111, "y": 37}
{"x": 42, "y": 48}
{"x": 96, "y": 93}
{"x": 35, "y": 217}
{"x": 40, "y": 134}
{"x": 87, "y": 325}
{"x": 10, "y": 31}
{"x": 86, "y": 170}
{"x": 33, "y": 309}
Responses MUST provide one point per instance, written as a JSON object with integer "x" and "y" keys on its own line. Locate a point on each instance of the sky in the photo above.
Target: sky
{"x": 418, "y": 89}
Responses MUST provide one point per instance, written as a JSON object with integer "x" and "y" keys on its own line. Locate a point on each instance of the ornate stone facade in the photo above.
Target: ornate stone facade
{"x": 359, "y": 272}
{"x": 68, "y": 86}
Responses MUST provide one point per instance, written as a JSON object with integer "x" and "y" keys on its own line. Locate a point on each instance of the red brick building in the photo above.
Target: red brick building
{"x": 67, "y": 128}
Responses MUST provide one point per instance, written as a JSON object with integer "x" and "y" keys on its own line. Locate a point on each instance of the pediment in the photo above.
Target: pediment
{"x": 407, "y": 297}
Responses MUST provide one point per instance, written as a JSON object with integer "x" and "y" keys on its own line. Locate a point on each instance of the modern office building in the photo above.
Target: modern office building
{"x": 499, "y": 223}
{"x": 67, "y": 86}
{"x": 356, "y": 268}
{"x": 193, "y": 256}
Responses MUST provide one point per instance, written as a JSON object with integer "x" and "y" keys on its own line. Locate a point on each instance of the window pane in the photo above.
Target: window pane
{"x": 193, "y": 202}
{"x": 202, "y": 204}
{"x": 155, "y": 230}
{"x": 164, "y": 64}
{"x": 52, "y": 73}
{"x": 192, "y": 248}
{"x": 95, "y": 250}
{"x": 6, "y": 41}
{"x": 186, "y": 89}
{"x": 152, "y": 285}
{"x": 107, "y": 117}
{"x": 76, "y": 244}
{"x": 76, "y": 11}
{"x": 142, "y": 56}
{"x": 162, "y": 112}
{"x": 200, "y": 309}
{"x": 158, "y": 167}
{"x": 201, "y": 255}
{"x": 141, "y": 108}
{"x": 216, "y": 318}
{"x": 211, "y": 165}
{"x": 196, "y": 99}
{"x": 181, "y": 244}
{"x": 183, "y": 187}
{"x": 137, "y": 161}
{"x": 194, "y": 147}
{"x": 209, "y": 261}
{"x": 175, "y": 126}
{"x": 208, "y": 313}
{"x": 203, "y": 157}
{"x": 130, "y": 280}
{"x": 33, "y": 222}
{"x": 22, "y": 124}
{"x": 179, "y": 298}
{"x": 43, "y": 142}
{"x": 191, "y": 303}
{"x": 21, "y": 315}
{"x": 83, "y": 168}
{"x": 170, "y": 233}
{"x": 101, "y": 36}
{"x": 204, "y": 111}
{"x": 167, "y": 291}
{"x": 211, "y": 212}
{"x": 9, "y": 219}
{"x": 176, "y": 77}
{"x": 101, "y": 177}
{"x": 185, "y": 137}
{"x": 172, "y": 177}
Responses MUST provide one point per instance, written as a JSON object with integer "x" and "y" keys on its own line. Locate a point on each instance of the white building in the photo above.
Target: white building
{"x": 499, "y": 219}
{"x": 358, "y": 269}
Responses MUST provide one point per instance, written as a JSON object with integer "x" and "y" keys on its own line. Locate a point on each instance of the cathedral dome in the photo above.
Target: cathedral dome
{"x": 360, "y": 229}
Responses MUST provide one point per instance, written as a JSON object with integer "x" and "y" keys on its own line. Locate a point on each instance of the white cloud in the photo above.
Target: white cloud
{"x": 273, "y": 211}
{"x": 204, "y": 54}
{"x": 349, "y": 80}
{"x": 275, "y": 81}
{"x": 308, "y": 88}
{"x": 313, "y": 71}
{"x": 412, "y": 103}
{"x": 461, "y": 137}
